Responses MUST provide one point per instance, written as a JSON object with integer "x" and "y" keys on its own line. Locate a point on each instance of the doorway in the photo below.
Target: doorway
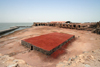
{"x": 31, "y": 47}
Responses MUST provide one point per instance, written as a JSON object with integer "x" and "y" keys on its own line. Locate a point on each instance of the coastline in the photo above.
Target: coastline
{"x": 12, "y": 30}
{"x": 11, "y": 33}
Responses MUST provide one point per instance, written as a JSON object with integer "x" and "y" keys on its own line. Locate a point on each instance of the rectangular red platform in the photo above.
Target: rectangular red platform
{"x": 47, "y": 43}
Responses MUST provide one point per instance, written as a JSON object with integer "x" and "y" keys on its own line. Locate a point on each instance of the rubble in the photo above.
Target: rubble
{"x": 97, "y": 28}
{"x": 94, "y": 27}
{"x": 87, "y": 59}
{"x": 6, "y": 61}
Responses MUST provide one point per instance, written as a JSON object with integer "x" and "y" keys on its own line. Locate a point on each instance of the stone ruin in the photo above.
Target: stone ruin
{"x": 97, "y": 28}
{"x": 94, "y": 26}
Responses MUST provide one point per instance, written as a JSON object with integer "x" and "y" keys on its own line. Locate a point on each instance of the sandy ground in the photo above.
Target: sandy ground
{"x": 11, "y": 45}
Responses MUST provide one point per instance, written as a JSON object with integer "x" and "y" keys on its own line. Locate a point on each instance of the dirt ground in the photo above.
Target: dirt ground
{"x": 11, "y": 45}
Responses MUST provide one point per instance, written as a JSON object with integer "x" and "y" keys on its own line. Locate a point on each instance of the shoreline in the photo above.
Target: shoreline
{"x": 11, "y": 33}
{"x": 8, "y": 30}
{"x": 12, "y": 30}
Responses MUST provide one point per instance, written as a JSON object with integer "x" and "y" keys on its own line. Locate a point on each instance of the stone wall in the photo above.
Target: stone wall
{"x": 63, "y": 25}
{"x": 79, "y": 26}
{"x": 42, "y": 50}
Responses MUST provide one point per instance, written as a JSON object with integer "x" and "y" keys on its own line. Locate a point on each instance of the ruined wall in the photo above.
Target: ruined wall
{"x": 79, "y": 26}
{"x": 63, "y": 25}
{"x": 98, "y": 25}
{"x": 97, "y": 28}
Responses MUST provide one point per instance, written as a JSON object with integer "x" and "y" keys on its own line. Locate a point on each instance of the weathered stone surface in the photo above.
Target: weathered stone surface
{"x": 87, "y": 59}
{"x": 78, "y": 26}
{"x": 6, "y": 61}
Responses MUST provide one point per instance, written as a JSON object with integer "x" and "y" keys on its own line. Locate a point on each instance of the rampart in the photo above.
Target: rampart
{"x": 89, "y": 26}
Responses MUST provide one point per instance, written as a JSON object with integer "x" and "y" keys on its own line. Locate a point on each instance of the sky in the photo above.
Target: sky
{"x": 49, "y": 10}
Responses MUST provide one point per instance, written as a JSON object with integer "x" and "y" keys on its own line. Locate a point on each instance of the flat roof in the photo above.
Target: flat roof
{"x": 49, "y": 41}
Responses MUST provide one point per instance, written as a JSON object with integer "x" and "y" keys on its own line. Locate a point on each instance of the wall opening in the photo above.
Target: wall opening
{"x": 31, "y": 47}
{"x": 74, "y": 25}
{"x": 70, "y": 25}
{"x": 36, "y": 24}
{"x": 60, "y": 24}
{"x": 79, "y": 26}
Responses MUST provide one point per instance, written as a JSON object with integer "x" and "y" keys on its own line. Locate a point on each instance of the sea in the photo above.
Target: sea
{"x": 4, "y": 26}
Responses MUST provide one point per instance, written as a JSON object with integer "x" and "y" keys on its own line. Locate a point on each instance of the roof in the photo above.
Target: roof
{"x": 49, "y": 41}
{"x": 58, "y": 21}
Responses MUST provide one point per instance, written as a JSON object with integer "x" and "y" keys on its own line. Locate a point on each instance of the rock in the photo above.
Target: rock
{"x": 21, "y": 61}
{"x": 81, "y": 56}
{"x": 72, "y": 59}
{"x": 12, "y": 37}
{"x": 86, "y": 65}
{"x": 69, "y": 59}
{"x": 13, "y": 65}
{"x": 15, "y": 61}
{"x": 85, "y": 52}
{"x": 12, "y": 54}
{"x": 99, "y": 60}
{"x": 65, "y": 61}
{"x": 76, "y": 56}
{"x": 90, "y": 57}
{"x": 6, "y": 61}
{"x": 86, "y": 59}
{"x": 92, "y": 51}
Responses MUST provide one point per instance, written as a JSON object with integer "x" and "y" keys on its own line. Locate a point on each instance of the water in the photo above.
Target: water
{"x": 4, "y": 26}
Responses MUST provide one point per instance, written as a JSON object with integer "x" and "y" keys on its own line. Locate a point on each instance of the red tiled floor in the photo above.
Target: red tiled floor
{"x": 49, "y": 41}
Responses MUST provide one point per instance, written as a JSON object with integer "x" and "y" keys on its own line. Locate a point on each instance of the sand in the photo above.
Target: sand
{"x": 11, "y": 45}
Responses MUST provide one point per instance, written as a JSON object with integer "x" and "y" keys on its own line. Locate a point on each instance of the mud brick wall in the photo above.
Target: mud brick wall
{"x": 40, "y": 24}
{"x": 52, "y": 24}
{"x": 97, "y": 30}
{"x": 60, "y": 25}
{"x": 78, "y": 26}
{"x": 98, "y": 24}
{"x": 36, "y": 24}
{"x": 71, "y": 26}
{"x": 64, "y": 26}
